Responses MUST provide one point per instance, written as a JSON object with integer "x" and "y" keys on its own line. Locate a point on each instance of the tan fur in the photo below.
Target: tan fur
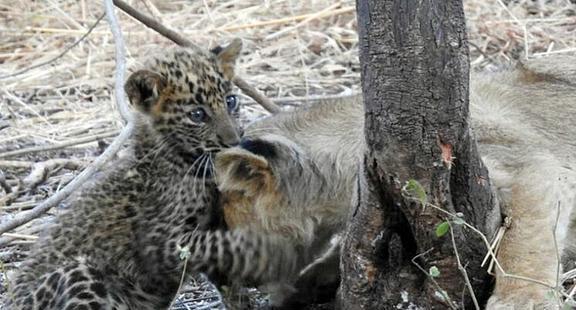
{"x": 523, "y": 120}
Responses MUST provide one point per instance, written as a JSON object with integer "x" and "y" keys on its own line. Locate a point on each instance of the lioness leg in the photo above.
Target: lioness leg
{"x": 540, "y": 201}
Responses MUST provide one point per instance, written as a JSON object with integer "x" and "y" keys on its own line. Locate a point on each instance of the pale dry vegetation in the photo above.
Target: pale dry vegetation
{"x": 56, "y": 118}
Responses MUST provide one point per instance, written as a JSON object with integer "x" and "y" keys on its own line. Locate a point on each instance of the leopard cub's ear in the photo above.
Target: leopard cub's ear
{"x": 228, "y": 55}
{"x": 144, "y": 88}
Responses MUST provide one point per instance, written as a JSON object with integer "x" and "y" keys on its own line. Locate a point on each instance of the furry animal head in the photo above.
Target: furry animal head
{"x": 187, "y": 95}
{"x": 258, "y": 181}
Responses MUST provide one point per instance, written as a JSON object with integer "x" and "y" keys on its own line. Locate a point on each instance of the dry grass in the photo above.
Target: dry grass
{"x": 292, "y": 49}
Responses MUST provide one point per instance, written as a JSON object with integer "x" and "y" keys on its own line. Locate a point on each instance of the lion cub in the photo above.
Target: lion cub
{"x": 294, "y": 173}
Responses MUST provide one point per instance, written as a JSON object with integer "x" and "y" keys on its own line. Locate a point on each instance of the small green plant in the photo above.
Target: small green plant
{"x": 414, "y": 189}
{"x": 442, "y": 229}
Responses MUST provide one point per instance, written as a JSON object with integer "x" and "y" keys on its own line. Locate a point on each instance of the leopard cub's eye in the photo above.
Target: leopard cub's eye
{"x": 198, "y": 115}
{"x": 232, "y": 102}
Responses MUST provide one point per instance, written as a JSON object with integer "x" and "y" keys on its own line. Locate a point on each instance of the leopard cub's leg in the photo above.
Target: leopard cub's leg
{"x": 242, "y": 257}
{"x": 316, "y": 283}
{"x": 75, "y": 286}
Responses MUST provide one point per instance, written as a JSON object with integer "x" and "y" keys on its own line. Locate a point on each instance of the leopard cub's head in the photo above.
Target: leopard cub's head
{"x": 187, "y": 95}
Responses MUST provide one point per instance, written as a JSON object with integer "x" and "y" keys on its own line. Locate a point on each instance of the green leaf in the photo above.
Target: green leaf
{"x": 442, "y": 229}
{"x": 434, "y": 272}
{"x": 415, "y": 190}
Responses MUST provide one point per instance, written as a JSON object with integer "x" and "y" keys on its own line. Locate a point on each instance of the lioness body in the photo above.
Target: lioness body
{"x": 299, "y": 169}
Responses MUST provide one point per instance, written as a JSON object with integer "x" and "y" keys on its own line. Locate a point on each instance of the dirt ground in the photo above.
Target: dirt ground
{"x": 57, "y": 111}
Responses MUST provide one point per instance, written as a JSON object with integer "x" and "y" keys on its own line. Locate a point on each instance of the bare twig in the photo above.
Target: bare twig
{"x": 66, "y": 50}
{"x": 19, "y": 206}
{"x": 441, "y": 291}
{"x": 41, "y": 171}
{"x": 462, "y": 269}
{"x": 16, "y": 164}
{"x": 20, "y": 236}
{"x": 186, "y": 253}
{"x": 479, "y": 50}
{"x": 23, "y": 218}
{"x": 180, "y": 40}
{"x": 120, "y": 62}
{"x": 488, "y": 246}
{"x": 558, "y": 260}
{"x": 32, "y": 230}
{"x": 524, "y": 28}
{"x": 153, "y": 24}
{"x": 57, "y": 146}
{"x": 495, "y": 245}
{"x": 257, "y": 96}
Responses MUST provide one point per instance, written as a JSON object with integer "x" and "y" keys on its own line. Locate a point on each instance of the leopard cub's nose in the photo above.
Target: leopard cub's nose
{"x": 229, "y": 137}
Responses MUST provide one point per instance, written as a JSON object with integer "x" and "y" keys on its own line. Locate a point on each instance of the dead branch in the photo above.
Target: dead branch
{"x": 257, "y": 96}
{"x": 463, "y": 269}
{"x": 64, "y": 52}
{"x": 19, "y": 206}
{"x": 180, "y": 40}
{"x": 105, "y": 157}
{"x": 41, "y": 171}
{"x": 16, "y": 164}
{"x": 57, "y": 146}
{"x": 152, "y": 24}
{"x": 32, "y": 230}
{"x": 445, "y": 299}
{"x": 21, "y": 236}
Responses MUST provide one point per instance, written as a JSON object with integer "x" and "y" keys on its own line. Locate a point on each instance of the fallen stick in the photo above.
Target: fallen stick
{"x": 57, "y": 146}
{"x": 42, "y": 170}
{"x": 16, "y": 164}
{"x": 126, "y": 132}
{"x": 21, "y": 236}
{"x": 257, "y": 96}
{"x": 180, "y": 40}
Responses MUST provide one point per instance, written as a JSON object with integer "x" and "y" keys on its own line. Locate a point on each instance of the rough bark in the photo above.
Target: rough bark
{"x": 415, "y": 73}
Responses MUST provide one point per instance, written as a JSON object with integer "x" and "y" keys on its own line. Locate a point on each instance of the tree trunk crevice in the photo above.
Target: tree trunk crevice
{"x": 415, "y": 72}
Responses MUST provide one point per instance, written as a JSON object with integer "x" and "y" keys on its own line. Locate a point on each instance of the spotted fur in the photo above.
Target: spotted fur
{"x": 119, "y": 244}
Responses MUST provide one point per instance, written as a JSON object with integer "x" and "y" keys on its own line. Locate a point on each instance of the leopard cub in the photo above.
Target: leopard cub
{"x": 119, "y": 244}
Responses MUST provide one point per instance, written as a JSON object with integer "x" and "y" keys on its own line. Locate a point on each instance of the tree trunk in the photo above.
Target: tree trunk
{"x": 415, "y": 73}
